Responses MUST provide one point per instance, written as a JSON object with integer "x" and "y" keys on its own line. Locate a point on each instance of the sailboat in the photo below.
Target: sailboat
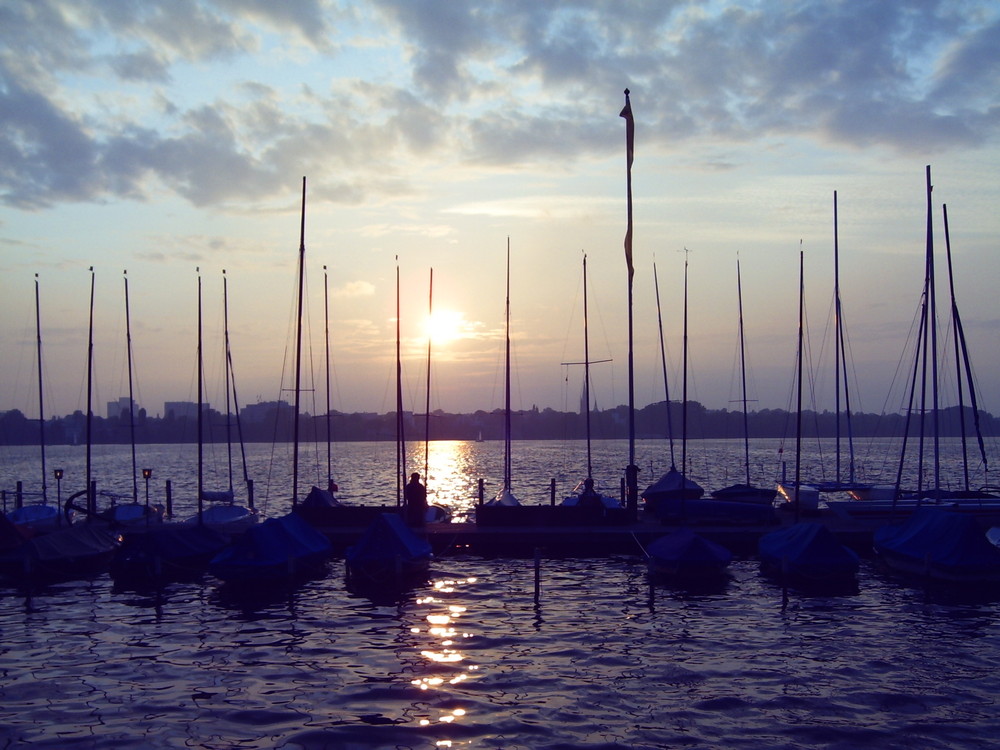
{"x": 798, "y": 495}
{"x": 73, "y": 551}
{"x": 156, "y": 554}
{"x": 938, "y": 544}
{"x": 981, "y": 502}
{"x": 668, "y": 494}
{"x": 435, "y": 512}
{"x": 288, "y": 547}
{"x": 39, "y": 517}
{"x": 807, "y": 554}
{"x": 745, "y": 492}
{"x": 506, "y": 494}
{"x": 133, "y": 514}
{"x": 223, "y": 515}
{"x": 586, "y": 494}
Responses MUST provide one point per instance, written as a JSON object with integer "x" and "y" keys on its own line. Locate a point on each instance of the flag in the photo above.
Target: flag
{"x": 629, "y": 144}
{"x": 629, "y": 129}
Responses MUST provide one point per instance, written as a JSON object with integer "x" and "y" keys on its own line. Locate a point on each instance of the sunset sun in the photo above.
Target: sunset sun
{"x": 443, "y": 326}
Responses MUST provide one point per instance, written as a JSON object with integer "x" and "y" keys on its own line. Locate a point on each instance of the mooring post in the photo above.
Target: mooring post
{"x": 481, "y": 491}
{"x": 250, "y": 494}
{"x": 19, "y": 496}
{"x": 170, "y": 498}
{"x": 552, "y": 491}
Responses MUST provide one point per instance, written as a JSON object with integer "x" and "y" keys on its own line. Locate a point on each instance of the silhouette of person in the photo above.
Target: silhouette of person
{"x": 415, "y": 495}
{"x": 589, "y": 498}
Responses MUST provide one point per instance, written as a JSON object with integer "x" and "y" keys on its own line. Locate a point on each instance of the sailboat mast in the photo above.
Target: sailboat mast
{"x": 631, "y": 471}
{"x": 684, "y": 378}
{"x": 201, "y": 411}
{"x": 131, "y": 400}
{"x": 934, "y": 346}
{"x": 836, "y": 325}
{"x": 427, "y": 402}
{"x": 962, "y": 357}
{"x": 228, "y": 375}
{"x": 663, "y": 365}
{"x": 400, "y": 438}
{"x": 298, "y": 349}
{"x": 958, "y": 361}
{"x": 506, "y": 400}
{"x": 743, "y": 375}
{"x": 586, "y": 368}
{"x": 91, "y": 499}
{"x": 326, "y": 340}
{"x": 41, "y": 396}
{"x": 798, "y": 388}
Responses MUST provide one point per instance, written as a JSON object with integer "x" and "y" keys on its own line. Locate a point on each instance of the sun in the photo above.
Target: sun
{"x": 443, "y": 326}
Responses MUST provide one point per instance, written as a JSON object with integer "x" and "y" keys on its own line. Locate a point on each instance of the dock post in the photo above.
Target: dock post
{"x": 19, "y": 496}
{"x": 552, "y": 491}
{"x": 481, "y": 491}
{"x": 170, "y": 498}
{"x": 250, "y": 494}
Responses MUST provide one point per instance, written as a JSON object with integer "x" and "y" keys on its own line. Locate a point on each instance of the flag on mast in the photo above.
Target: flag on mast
{"x": 629, "y": 145}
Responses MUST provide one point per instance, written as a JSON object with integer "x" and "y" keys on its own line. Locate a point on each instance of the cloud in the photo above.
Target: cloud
{"x": 98, "y": 102}
{"x": 354, "y": 289}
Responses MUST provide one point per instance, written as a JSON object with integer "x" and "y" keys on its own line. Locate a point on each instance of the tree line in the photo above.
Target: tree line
{"x": 273, "y": 422}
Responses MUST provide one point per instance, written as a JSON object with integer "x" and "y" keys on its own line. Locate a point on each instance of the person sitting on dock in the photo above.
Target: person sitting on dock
{"x": 415, "y": 495}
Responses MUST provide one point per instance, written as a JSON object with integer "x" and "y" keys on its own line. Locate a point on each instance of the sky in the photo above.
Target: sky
{"x": 169, "y": 140}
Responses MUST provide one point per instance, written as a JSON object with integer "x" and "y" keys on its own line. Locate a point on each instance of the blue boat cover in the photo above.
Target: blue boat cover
{"x": 947, "y": 540}
{"x": 685, "y": 546}
{"x": 673, "y": 484}
{"x": 318, "y": 498}
{"x": 270, "y": 548}
{"x": 809, "y": 549}
{"x": 388, "y": 538}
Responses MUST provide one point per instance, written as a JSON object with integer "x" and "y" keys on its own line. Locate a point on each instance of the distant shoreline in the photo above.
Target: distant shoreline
{"x": 273, "y": 423}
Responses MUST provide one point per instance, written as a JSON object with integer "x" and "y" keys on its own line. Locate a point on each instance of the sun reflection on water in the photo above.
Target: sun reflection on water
{"x": 454, "y": 469}
{"x": 440, "y": 650}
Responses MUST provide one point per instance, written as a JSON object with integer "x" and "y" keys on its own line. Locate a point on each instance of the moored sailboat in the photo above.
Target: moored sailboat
{"x": 288, "y": 547}
{"x": 586, "y": 494}
{"x": 506, "y": 496}
{"x": 923, "y": 401}
{"x": 745, "y": 492}
{"x": 936, "y": 544}
{"x": 40, "y": 517}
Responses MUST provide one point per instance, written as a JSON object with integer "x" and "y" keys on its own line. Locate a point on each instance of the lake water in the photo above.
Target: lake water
{"x": 600, "y": 659}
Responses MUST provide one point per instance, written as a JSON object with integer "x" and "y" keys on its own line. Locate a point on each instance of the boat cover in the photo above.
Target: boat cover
{"x": 388, "y": 538}
{"x": 685, "y": 546}
{"x": 318, "y": 498}
{"x": 276, "y": 546}
{"x": 217, "y": 496}
{"x": 75, "y": 542}
{"x": 947, "y": 540}
{"x": 673, "y": 484}
{"x": 746, "y": 493}
{"x": 808, "y": 549}
{"x": 11, "y": 535}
